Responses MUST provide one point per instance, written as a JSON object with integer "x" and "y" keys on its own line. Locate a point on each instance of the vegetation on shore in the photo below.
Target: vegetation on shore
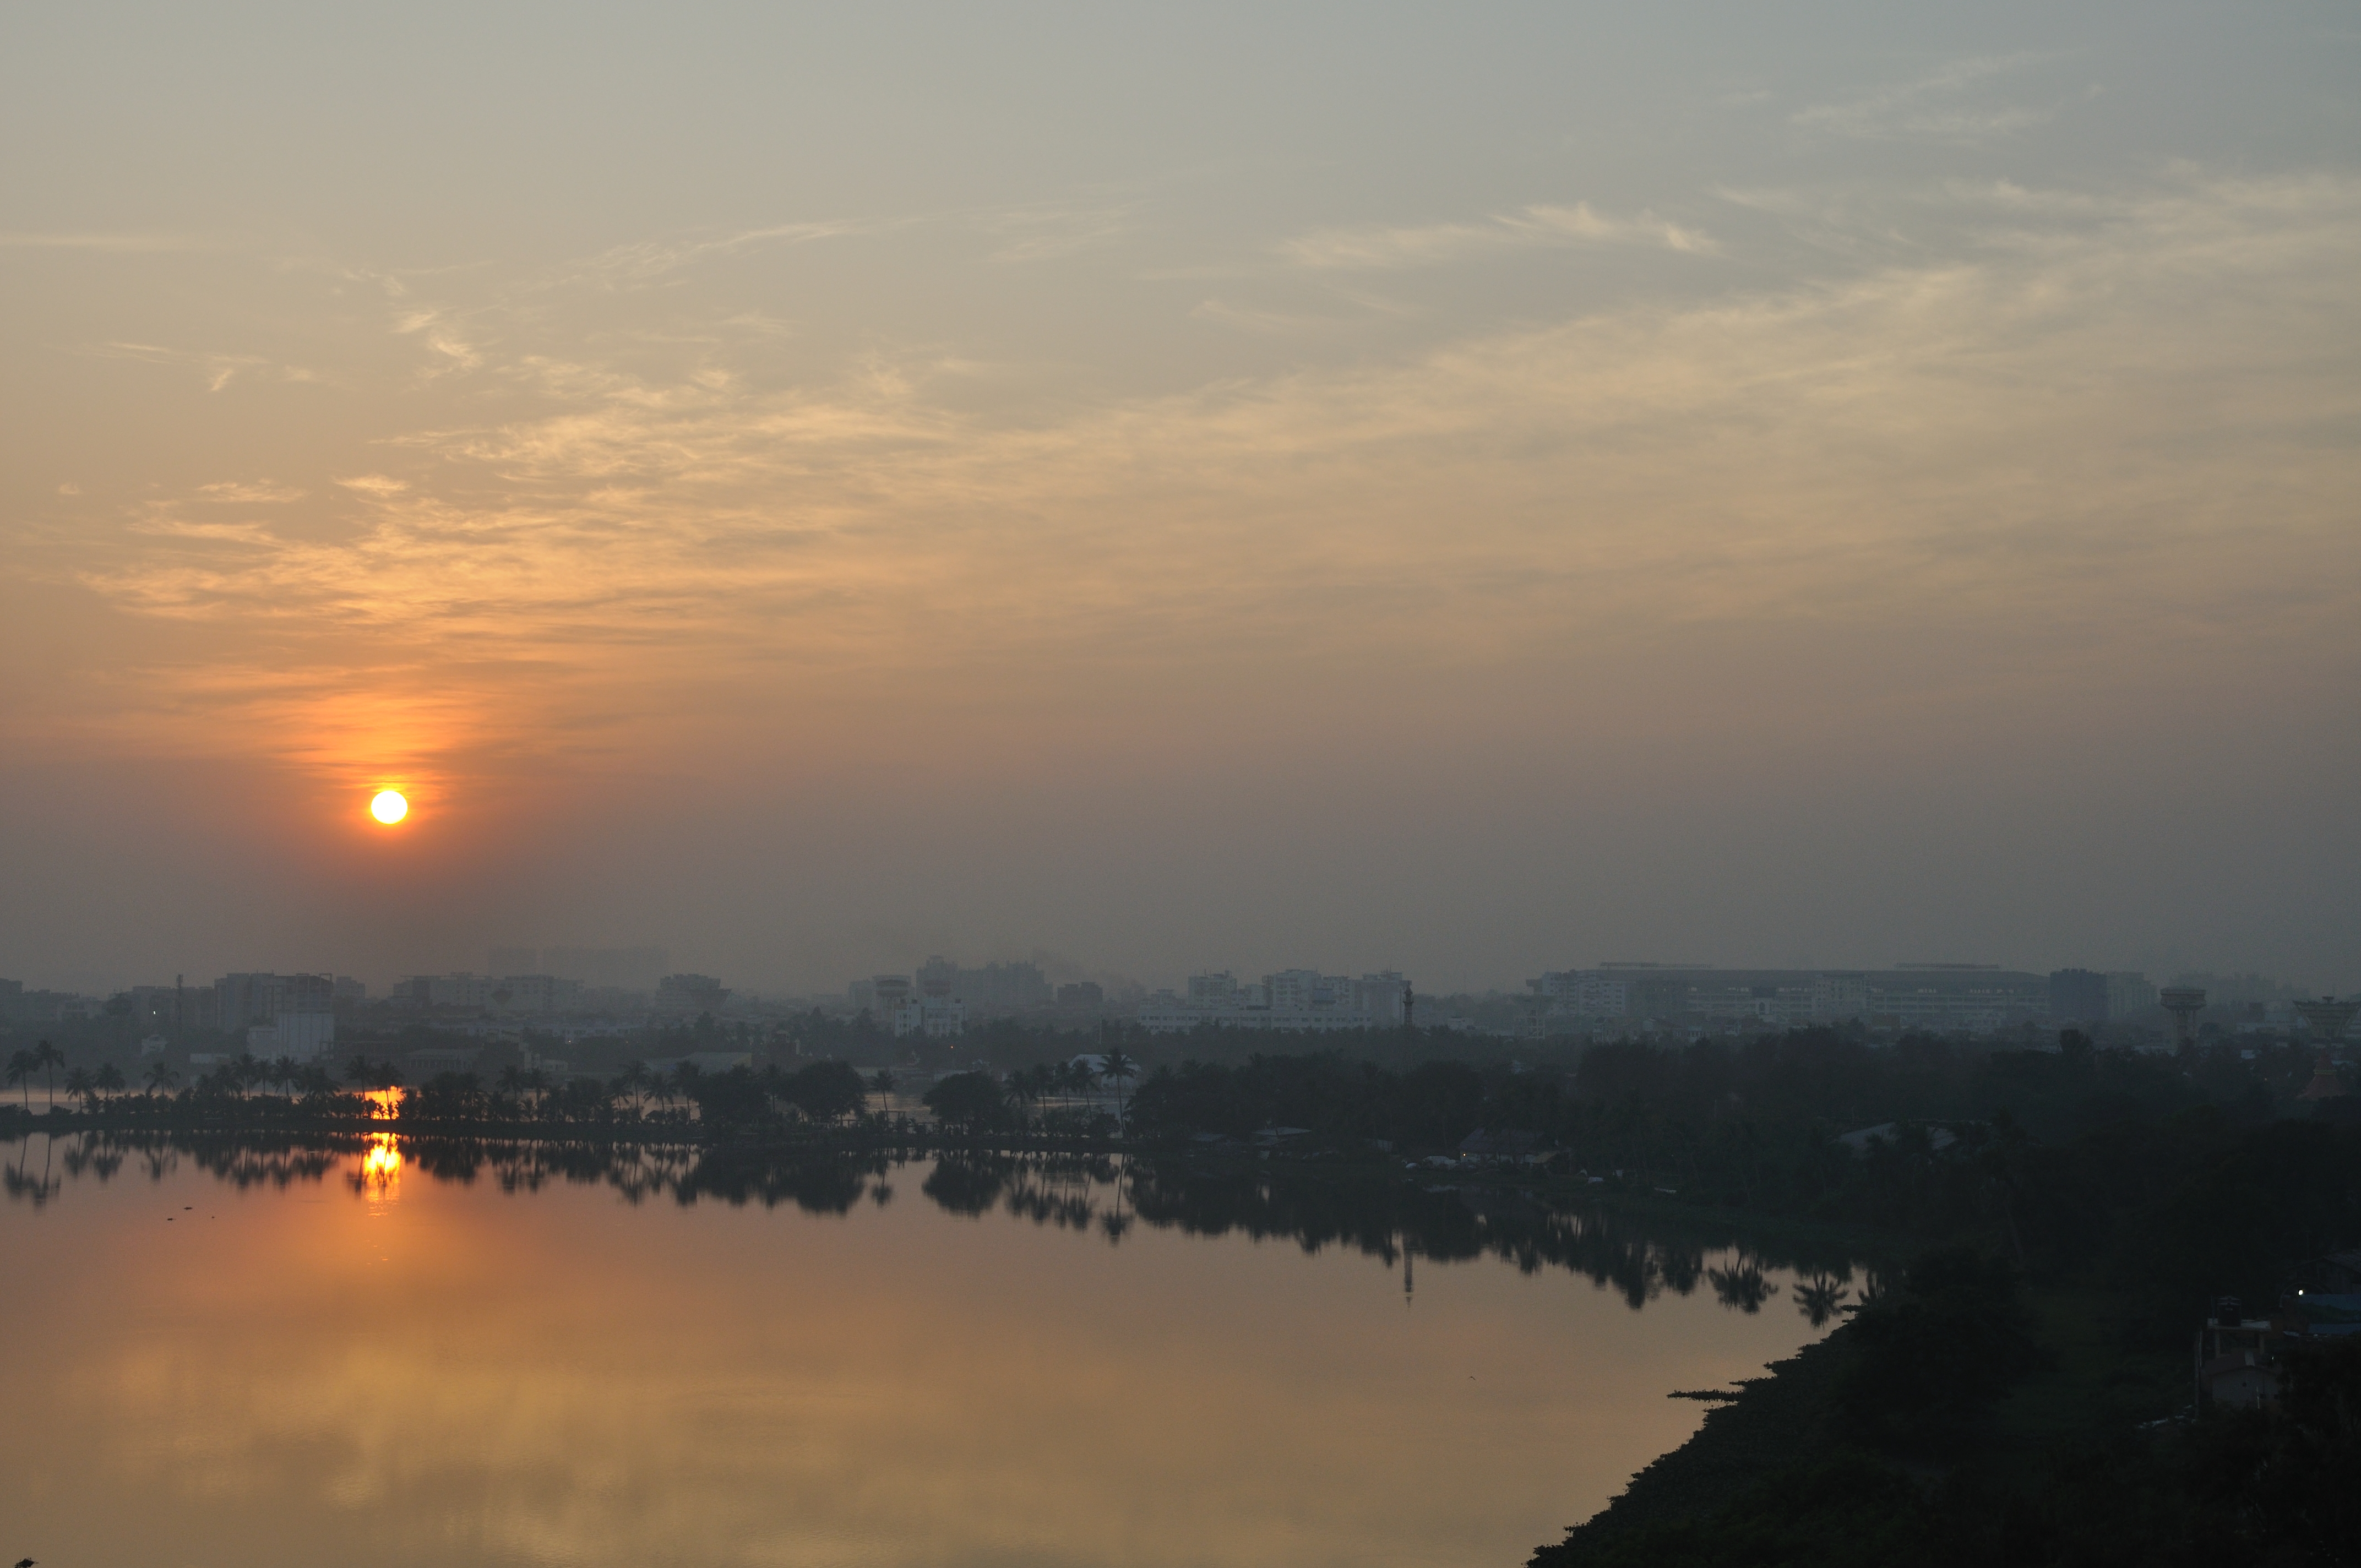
{"x": 2022, "y": 1392}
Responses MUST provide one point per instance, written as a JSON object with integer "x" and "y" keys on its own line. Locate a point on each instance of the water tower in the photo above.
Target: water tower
{"x": 2184, "y": 1003}
{"x": 2327, "y": 1017}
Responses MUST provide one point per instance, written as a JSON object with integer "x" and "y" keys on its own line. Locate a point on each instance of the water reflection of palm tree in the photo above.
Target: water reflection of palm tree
{"x": 1114, "y": 1222}
{"x": 1743, "y": 1285}
{"x": 1819, "y": 1298}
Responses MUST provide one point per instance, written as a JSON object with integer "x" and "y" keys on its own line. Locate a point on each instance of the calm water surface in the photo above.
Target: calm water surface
{"x": 419, "y": 1356}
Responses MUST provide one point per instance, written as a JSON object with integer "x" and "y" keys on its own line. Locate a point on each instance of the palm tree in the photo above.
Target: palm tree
{"x": 79, "y": 1086}
{"x": 21, "y": 1068}
{"x": 1119, "y": 1067}
{"x": 46, "y": 1057}
{"x": 109, "y": 1079}
{"x": 881, "y": 1082}
{"x": 160, "y": 1077}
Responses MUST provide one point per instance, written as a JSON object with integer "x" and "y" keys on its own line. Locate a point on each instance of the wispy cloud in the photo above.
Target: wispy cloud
{"x": 646, "y": 260}
{"x": 128, "y": 244}
{"x": 1529, "y": 228}
{"x": 218, "y": 369}
{"x": 2082, "y": 409}
{"x": 243, "y": 492}
{"x": 1945, "y": 105}
{"x": 1051, "y": 233}
{"x": 1266, "y": 323}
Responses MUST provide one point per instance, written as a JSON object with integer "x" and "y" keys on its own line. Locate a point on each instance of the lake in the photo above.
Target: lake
{"x": 383, "y": 1353}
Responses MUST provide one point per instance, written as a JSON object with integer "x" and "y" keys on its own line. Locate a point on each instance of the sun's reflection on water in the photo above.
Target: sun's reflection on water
{"x": 379, "y": 1173}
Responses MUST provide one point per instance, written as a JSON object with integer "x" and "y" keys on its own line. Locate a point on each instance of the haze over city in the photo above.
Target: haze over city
{"x": 1378, "y": 488}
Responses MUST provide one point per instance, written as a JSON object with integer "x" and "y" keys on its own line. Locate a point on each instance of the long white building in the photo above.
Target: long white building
{"x": 1952, "y": 998}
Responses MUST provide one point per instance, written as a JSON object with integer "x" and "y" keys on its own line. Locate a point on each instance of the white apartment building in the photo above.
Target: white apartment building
{"x": 936, "y": 1017}
{"x": 1576, "y": 993}
{"x": 299, "y": 1034}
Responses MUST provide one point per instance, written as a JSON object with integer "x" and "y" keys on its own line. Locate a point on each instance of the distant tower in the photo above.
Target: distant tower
{"x": 2184, "y": 1003}
{"x": 1409, "y": 1007}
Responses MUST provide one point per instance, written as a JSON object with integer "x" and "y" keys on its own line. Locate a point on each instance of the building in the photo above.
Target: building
{"x": 2077, "y": 996}
{"x": 937, "y": 1018}
{"x": 1082, "y": 993}
{"x": 622, "y": 968}
{"x": 2129, "y": 992}
{"x": 170, "y": 1008}
{"x": 1573, "y": 995}
{"x": 243, "y": 1000}
{"x": 464, "y": 989}
{"x": 432, "y": 1061}
{"x": 1299, "y": 1000}
{"x": 617, "y": 969}
{"x": 536, "y": 995}
{"x": 995, "y": 991}
{"x": 1939, "y": 997}
{"x": 302, "y": 1035}
{"x": 881, "y": 996}
{"x": 687, "y": 995}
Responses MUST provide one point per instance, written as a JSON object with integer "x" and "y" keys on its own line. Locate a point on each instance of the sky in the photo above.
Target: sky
{"x": 1472, "y": 490}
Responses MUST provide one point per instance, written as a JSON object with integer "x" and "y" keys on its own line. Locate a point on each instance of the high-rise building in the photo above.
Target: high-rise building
{"x": 687, "y": 995}
{"x": 2128, "y": 993}
{"x": 242, "y": 1000}
{"x": 995, "y": 989}
{"x": 2077, "y": 996}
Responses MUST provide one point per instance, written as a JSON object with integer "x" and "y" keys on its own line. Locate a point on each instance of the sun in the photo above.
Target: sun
{"x": 388, "y": 808}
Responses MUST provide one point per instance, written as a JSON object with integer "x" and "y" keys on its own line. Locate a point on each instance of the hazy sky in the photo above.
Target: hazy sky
{"x": 1476, "y": 490}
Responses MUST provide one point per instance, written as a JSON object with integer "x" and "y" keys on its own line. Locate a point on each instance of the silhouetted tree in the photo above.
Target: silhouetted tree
{"x": 48, "y": 1058}
{"x": 826, "y": 1091}
{"x": 969, "y": 1101}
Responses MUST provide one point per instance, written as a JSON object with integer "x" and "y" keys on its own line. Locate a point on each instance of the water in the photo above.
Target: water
{"x": 236, "y": 1355}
